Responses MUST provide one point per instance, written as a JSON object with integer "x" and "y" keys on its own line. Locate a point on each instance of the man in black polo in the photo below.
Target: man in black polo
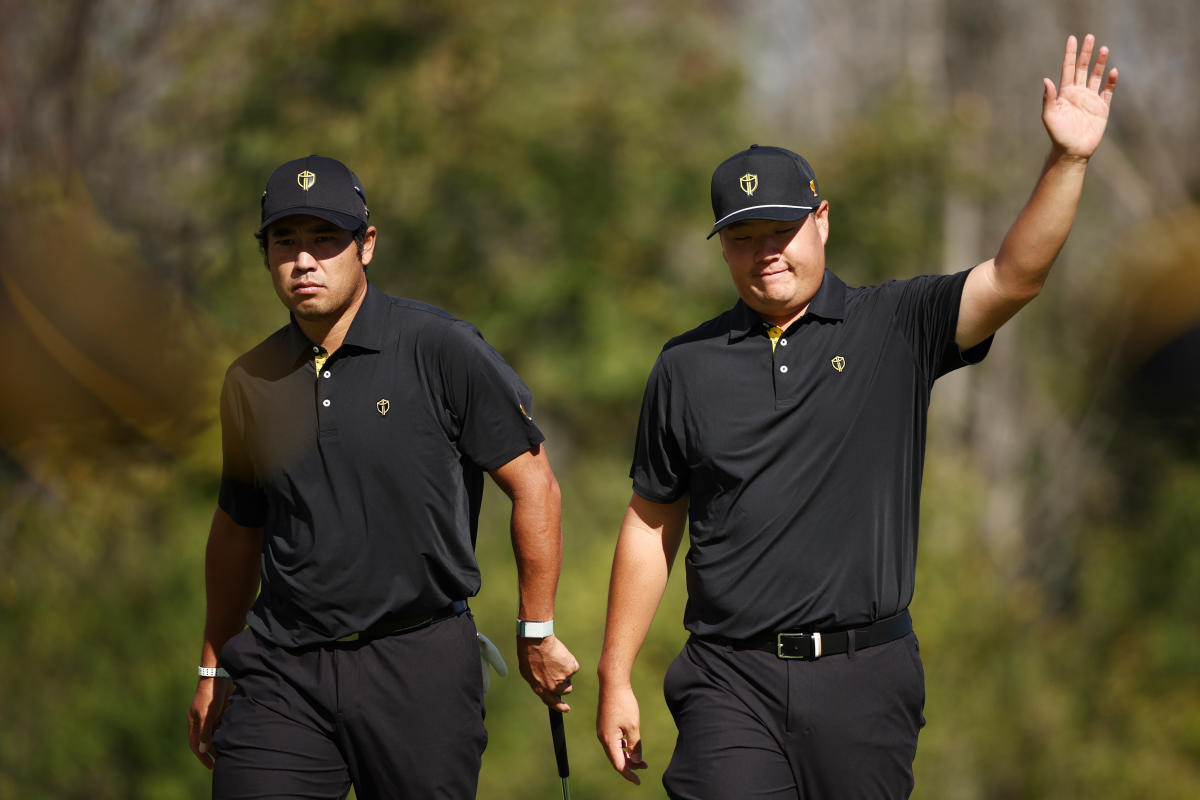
{"x": 355, "y": 441}
{"x": 789, "y": 432}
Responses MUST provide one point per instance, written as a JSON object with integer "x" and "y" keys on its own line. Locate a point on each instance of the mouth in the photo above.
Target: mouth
{"x": 307, "y": 288}
{"x": 771, "y": 272}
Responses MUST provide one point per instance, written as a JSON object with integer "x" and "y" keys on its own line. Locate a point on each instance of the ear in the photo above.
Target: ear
{"x": 822, "y": 220}
{"x": 368, "y": 247}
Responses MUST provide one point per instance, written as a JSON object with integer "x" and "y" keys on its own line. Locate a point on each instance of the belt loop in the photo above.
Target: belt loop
{"x": 850, "y": 644}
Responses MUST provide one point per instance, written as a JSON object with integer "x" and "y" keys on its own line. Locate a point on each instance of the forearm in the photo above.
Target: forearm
{"x": 641, "y": 566}
{"x": 537, "y": 546}
{"x": 1041, "y": 229}
{"x": 231, "y": 578}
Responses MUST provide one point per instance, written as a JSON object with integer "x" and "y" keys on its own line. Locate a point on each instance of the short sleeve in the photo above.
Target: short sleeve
{"x": 928, "y": 319}
{"x": 659, "y": 470}
{"x": 490, "y": 406}
{"x": 240, "y": 494}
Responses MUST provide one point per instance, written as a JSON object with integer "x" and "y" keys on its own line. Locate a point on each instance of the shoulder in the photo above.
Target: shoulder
{"x": 269, "y": 354}
{"x": 892, "y": 293}
{"x": 716, "y": 329}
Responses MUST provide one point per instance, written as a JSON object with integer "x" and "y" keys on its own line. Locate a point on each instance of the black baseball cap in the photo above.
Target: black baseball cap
{"x": 763, "y": 183}
{"x": 317, "y": 186}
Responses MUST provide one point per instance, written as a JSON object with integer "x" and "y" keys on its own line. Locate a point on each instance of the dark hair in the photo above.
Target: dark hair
{"x": 360, "y": 237}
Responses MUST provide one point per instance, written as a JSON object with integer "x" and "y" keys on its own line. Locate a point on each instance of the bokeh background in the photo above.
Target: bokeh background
{"x": 541, "y": 169}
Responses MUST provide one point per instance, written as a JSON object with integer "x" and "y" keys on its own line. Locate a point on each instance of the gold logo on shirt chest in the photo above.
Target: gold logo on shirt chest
{"x": 838, "y": 362}
{"x": 382, "y": 407}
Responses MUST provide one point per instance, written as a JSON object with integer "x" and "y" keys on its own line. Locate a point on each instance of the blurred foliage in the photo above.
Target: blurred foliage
{"x": 540, "y": 169}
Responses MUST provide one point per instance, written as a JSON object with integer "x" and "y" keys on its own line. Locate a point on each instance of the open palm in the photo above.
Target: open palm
{"x": 1076, "y": 113}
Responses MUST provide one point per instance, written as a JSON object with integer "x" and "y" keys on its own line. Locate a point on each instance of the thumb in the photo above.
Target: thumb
{"x": 1050, "y": 93}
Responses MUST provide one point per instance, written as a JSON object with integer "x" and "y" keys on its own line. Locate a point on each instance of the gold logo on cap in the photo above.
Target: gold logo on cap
{"x": 306, "y": 180}
{"x": 382, "y": 407}
{"x": 749, "y": 184}
{"x": 813, "y": 185}
{"x": 839, "y": 363}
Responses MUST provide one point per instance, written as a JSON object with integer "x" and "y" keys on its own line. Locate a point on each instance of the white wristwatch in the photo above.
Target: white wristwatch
{"x": 213, "y": 672}
{"x": 534, "y": 630}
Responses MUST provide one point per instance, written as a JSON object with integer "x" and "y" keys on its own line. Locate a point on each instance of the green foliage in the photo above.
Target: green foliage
{"x": 540, "y": 169}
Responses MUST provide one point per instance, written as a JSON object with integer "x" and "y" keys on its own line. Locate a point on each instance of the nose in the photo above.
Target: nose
{"x": 305, "y": 261}
{"x": 768, "y": 247}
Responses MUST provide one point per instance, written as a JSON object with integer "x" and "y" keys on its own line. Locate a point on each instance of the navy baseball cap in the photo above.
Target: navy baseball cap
{"x": 317, "y": 186}
{"x": 763, "y": 183}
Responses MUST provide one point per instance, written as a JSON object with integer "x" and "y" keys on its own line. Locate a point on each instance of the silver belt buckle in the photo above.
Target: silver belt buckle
{"x": 785, "y": 646}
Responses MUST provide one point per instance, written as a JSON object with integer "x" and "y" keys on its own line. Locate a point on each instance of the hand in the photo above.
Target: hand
{"x": 1076, "y": 113}
{"x": 547, "y": 666}
{"x": 208, "y": 704}
{"x": 618, "y": 727}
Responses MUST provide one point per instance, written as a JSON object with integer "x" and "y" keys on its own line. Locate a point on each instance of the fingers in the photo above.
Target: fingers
{"x": 553, "y": 697}
{"x": 547, "y": 665}
{"x": 1067, "y": 77}
{"x": 624, "y": 751}
{"x": 1085, "y": 58}
{"x": 1075, "y": 68}
{"x": 200, "y": 740}
{"x": 1097, "y": 74}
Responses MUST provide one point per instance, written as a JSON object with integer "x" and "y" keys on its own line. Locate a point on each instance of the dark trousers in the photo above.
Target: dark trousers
{"x": 754, "y": 726}
{"x": 399, "y": 717}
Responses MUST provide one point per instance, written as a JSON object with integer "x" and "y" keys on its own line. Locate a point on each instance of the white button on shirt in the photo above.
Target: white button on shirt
{"x": 325, "y": 403}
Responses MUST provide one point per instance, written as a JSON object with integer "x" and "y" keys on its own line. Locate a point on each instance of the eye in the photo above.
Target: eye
{"x": 790, "y": 230}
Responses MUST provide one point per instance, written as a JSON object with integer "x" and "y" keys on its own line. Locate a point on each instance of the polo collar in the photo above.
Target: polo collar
{"x": 366, "y": 330}
{"x": 371, "y": 322}
{"x": 828, "y": 303}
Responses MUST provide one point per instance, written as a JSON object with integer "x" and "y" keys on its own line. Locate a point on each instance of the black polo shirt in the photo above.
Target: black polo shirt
{"x": 803, "y": 465}
{"x": 367, "y": 477}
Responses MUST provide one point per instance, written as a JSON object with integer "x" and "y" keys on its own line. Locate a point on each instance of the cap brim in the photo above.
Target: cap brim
{"x": 344, "y": 221}
{"x": 778, "y": 213}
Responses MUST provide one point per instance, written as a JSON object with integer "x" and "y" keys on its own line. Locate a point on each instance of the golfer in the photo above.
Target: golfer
{"x": 355, "y": 442}
{"x": 789, "y": 432}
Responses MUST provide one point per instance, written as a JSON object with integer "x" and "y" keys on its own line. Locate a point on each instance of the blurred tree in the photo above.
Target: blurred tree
{"x": 541, "y": 169}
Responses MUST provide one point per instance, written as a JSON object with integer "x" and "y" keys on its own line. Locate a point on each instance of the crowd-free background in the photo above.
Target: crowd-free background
{"x": 541, "y": 168}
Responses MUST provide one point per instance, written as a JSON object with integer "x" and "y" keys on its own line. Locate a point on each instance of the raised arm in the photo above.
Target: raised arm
{"x": 546, "y": 664}
{"x": 1075, "y": 115}
{"x": 646, "y": 547}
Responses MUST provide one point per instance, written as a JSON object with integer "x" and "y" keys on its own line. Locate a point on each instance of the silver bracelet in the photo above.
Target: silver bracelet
{"x": 213, "y": 672}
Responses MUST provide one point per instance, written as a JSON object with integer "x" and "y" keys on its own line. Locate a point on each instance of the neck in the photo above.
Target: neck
{"x": 784, "y": 320}
{"x": 329, "y": 332}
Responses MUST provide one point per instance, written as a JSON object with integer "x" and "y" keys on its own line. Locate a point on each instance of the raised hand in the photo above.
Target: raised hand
{"x": 1076, "y": 112}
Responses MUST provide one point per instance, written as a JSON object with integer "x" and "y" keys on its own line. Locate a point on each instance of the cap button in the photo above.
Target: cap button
{"x": 753, "y": 146}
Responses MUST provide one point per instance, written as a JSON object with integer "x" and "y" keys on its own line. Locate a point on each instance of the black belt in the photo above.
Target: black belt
{"x": 811, "y": 646}
{"x": 391, "y": 625}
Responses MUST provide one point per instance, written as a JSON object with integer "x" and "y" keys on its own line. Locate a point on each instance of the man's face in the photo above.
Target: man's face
{"x": 777, "y": 267}
{"x": 315, "y": 265}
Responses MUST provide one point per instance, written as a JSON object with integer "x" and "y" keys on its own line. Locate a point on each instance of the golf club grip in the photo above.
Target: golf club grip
{"x": 560, "y": 742}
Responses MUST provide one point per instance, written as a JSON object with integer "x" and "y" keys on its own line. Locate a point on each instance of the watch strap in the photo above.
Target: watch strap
{"x": 527, "y": 629}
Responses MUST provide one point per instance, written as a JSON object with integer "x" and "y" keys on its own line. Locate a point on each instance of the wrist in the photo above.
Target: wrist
{"x": 1060, "y": 156}
{"x": 534, "y": 629}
